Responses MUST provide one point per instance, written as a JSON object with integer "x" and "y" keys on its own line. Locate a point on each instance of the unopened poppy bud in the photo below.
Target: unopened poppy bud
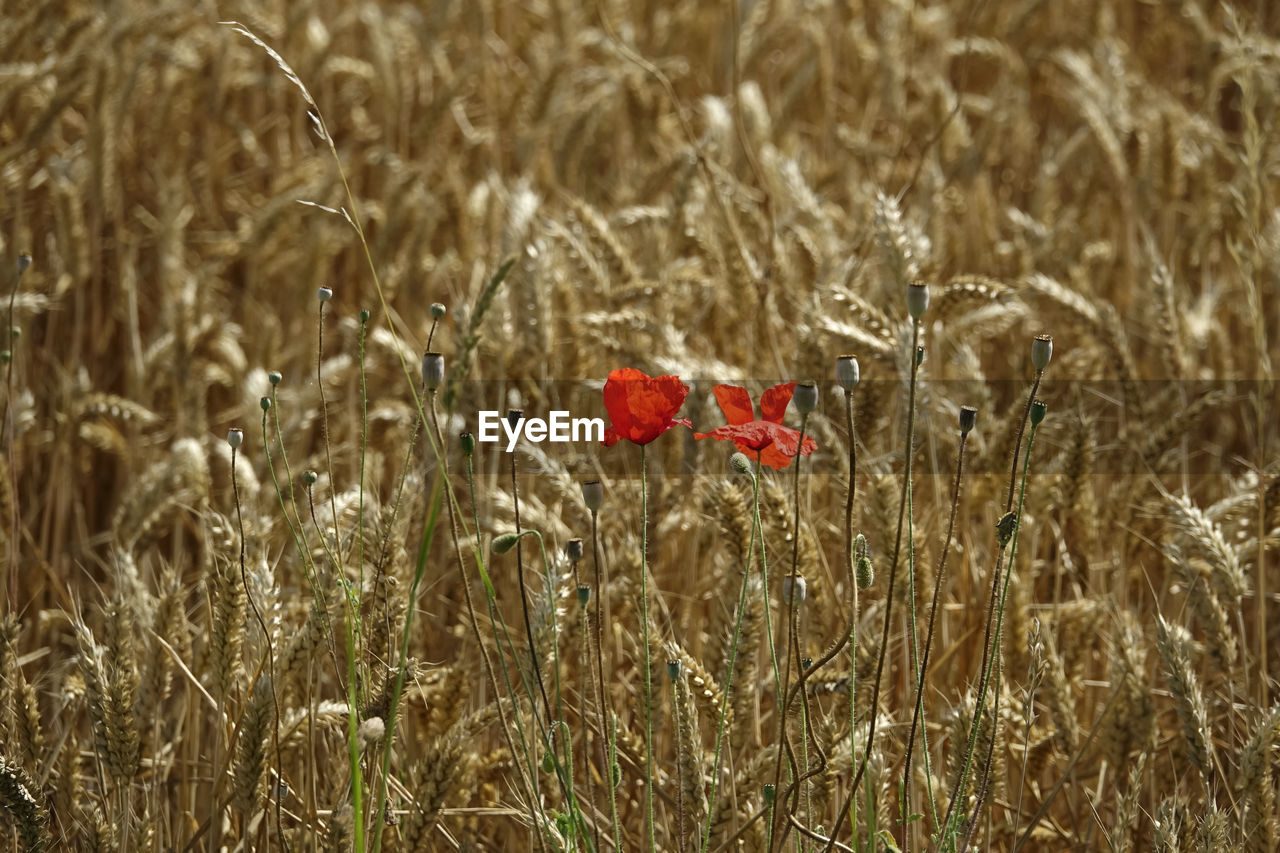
{"x": 1039, "y": 408}
{"x": 740, "y": 463}
{"x": 573, "y": 550}
{"x": 235, "y": 437}
{"x": 24, "y": 261}
{"x": 593, "y": 494}
{"x": 1041, "y": 351}
{"x": 432, "y": 370}
{"x": 364, "y": 315}
{"x": 919, "y": 356}
{"x": 673, "y": 669}
{"x": 917, "y": 299}
{"x": 847, "y": 372}
{"x": 274, "y": 378}
{"x": 806, "y": 397}
{"x": 324, "y": 294}
{"x": 514, "y": 417}
{"x": 865, "y": 573}
{"x": 265, "y": 403}
{"x": 504, "y": 543}
{"x": 437, "y": 310}
{"x": 584, "y": 595}
{"x": 968, "y": 419}
{"x": 794, "y": 589}
{"x": 309, "y": 478}
{"x": 1005, "y": 526}
{"x": 769, "y": 792}
{"x": 468, "y": 442}
{"x": 5, "y": 356}
{"x": 806, "y": 663}
{"x": 548, "y": 762}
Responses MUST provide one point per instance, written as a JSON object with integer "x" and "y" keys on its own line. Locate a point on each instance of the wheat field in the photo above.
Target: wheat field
{"x": 263, "y": 590}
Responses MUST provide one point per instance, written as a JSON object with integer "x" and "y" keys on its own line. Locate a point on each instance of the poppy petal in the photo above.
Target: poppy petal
{"x": 773, "y": 402}
{"x": 775, "y": 458}
{"x": 735, "y": 402}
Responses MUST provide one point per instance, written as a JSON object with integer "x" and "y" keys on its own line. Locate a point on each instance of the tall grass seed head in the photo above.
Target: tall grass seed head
{"x": 806, "y": 397}
{"x": 468, "y": 443}
{"x": 968, "y": 419}
{"x": 324, "y": 294}
{"x": 740, "y": 463}
{"x": 432, "y": 370}
{"x": 235, "y": 437}
{"x": 847, "y": 373}
{"x": 437, "y": 310}
{"x": 1039, "y": 408}
{"x": 573, "y": 550}
{"x": 1041, "y": 351}
{"x": 917, "y": 299}
{"x": 593, "y": 494}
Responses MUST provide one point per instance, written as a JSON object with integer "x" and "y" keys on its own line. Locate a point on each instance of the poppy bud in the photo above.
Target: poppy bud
{"x": 865, "y": 573}
{"x": 274, "y": 378}
{"x": 919, "y": 356}
{"x": 1004, "y": 528}
{"x": 847, "y": 372}
{"x": 235, "y": 437}
{"x": 673, "y": 669}
{"x": 573, "y": 550}
{"x": 309, "y": 478}
{"x": 437, "y": 310}
{"x": 432, "y": 370}
{"x": 593, "y": 494}
{"x": 15, "y": 332}
{"x": 5, "y": 356}
{"x": 468, "y": 442}
{"x": 917, "y": 299}
{"x": 514, "y": 417}
{"x": 265, "y": 403}
{"x": 968, "y": 418}
{"x": 806, "y": 663}
{"x": 1038, "y": 410}
{"x": 324, "y": 294}
{"x": 504, "y": 543}
{"x": 24, "y": 261}
{"x": 769, "y": 792}
{"x": 584, "y": 595}
{"x": 740, "y": 463}
{"x": 1041, "y": 351}
{"x": 806, "y": 397}
{"x": 364, "y": 315}
{"x": 794, "y": 588}
{"x": 548, "y": 762}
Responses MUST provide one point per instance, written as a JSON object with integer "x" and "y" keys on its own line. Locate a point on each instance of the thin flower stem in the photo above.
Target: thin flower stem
{"x": 888, "y": 600}
{"x": 928, "y": 643}
{"x": 607, "y": 746}
{"x": 586, "y": 677}
{"x": 853, "y": 586}
{"x": 534, "y": 663}
{"x": 1017, "y": 444}
{"x": 648, "y": 668}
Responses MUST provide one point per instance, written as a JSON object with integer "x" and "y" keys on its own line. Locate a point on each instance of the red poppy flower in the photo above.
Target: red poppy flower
{"x": 642, "y": 407}
{"x": 767, "y": 438}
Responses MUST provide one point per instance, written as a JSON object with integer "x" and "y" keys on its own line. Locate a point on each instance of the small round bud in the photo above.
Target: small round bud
{"x": 274, "y": 378}
{"x": 437, "y": 310}
{"x": 265, "y": 403}
{"x": 235, "y": 437}
{"x": 847, "y": 372}
{"x": 917, "y": 299}
{"x": 806, "y": 397}
{"x": 432, "y": 370}
{"x": 5, "y": 356}
{"x": 593, "y": 494}
{"x": 919, "y": 356}
{"x": 309, "y": 478}
{"x": 794, "y": 590}
{"x": 324, "y": 294}
{"x": 740, "y": 463}
{"x": 584, "y": 595}
{"x": 24, "y": 261}
{"x": 504, "y": 543}
{"x": 548, "y": 762}
{"x": 364, "y": 315}
{"x": 769, "y": 792}
{"x": 1041, "y": 351}
{"x": 573, "y": 550}
{"x": 865, "y": 573}
{"x": 1005, "y": 526}
{"x": 968, "y": 419}
{"x": 806, "y": 663}
{"x": 468, "y": 442}
{"x": 514, "y": 417}
{"x": 1039, "y": 408}
{"x": 673, "y": 669}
